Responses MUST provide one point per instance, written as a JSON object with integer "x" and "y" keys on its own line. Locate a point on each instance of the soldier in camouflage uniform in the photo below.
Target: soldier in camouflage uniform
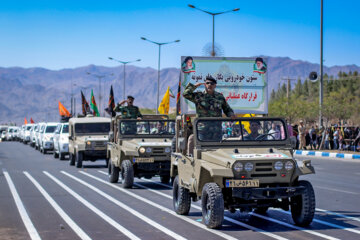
{"x": 129, "y": 112}
{"x": 208, "y": 104}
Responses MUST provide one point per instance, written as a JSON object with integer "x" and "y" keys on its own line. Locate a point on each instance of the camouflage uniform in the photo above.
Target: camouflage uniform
{"x": 207, "y": 105}
{"x": 128, "y": 112}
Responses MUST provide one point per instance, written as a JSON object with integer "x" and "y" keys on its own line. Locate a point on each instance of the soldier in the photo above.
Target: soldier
{"x": 130, "y": 111}
{"x": 208, "y": 103}
{"x": 301, "y": 130}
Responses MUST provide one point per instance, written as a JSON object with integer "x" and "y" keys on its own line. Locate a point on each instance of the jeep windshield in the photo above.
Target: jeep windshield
{"x": 241, "y": 130}
{"x": 147, "y": 127}
{"x": 65, "y": 129}
{"x": 92, "y": 128}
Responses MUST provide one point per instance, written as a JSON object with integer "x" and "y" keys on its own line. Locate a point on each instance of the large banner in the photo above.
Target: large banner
{"x": 242, "y": 81}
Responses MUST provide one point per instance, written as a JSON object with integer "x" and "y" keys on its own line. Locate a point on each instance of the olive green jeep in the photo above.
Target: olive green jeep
{"x": 242, "y": 163}
{"x": 140, "y": 148}
{"x": 88, "y": 137}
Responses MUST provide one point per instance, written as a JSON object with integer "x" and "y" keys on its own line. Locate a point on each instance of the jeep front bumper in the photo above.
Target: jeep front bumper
{"x": 266, "y": 193}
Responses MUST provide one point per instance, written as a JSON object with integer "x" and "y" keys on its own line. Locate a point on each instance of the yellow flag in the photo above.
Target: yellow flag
{"x": 246, "y": 124}
{"x": 165, "y": 103}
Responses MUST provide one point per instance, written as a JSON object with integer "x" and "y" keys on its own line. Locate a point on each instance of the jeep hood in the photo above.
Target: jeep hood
{"x": 226, "y": 157}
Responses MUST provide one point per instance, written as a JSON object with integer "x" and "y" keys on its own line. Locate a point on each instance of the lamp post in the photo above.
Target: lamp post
{"x": 321, "y": 66}
{"x": 158, "y": 81}
{"x": 99, "y": 77}
{"x": 123, "y": 62}
{"x": 213, "y": 17}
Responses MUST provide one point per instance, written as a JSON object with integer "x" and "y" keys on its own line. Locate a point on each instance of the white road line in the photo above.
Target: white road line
{"x": 132, "y": 211}
{"x": 199, "y": 208}
{"x": 21, "y": 208}
{"x": 58, "y": 209}
{"x": 93, "y": 208}
{"x": 338, "y": 214}
{"x": 329, "y": 224}
{"x": 200, "y": 225}
{"x": 336, "y": 190}
{"x": 293, "y": 226}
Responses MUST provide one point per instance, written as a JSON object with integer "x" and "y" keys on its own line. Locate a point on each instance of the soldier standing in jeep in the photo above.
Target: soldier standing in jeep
{"x": 130, "y": 111}
{"x": 208, "y": 104}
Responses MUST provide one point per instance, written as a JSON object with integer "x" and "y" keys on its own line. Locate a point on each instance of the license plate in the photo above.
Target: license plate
{"x": 143, "y": 160}
{"x": 242, "y": 183}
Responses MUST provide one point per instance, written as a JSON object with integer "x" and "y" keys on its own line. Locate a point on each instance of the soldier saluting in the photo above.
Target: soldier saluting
{"x": 208, "y": 103}
{"x": 130, "y": 111}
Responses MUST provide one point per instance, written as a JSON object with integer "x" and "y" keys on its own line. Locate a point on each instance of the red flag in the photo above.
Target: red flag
{"x": 31, "y": 120}
{"x": 25, "y": 121}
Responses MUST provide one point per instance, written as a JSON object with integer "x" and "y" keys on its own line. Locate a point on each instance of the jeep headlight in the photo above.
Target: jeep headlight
{"x": 249, "y": 166}
{"x": 278, "y": 165}
{"x": 148, "y": 149}
{"x": 142, "y": 150}
{"x": 167, "y": 149}
{"x": 289, "y": 165}
{"x": 88, "y": 143}
{"x": 238, "y": 167}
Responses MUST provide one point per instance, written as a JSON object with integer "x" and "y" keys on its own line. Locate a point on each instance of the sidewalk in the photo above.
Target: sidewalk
{"x": 356, "y": 155}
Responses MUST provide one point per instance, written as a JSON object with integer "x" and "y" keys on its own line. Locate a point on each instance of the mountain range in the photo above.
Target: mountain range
{"x": 35, "y": 92}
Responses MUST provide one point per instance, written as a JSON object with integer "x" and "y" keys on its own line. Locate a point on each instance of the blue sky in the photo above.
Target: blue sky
{"x": 65, "y": 34}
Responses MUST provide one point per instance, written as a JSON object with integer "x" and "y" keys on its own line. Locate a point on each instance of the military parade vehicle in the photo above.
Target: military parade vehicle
{"x": 244, "y": 164}
{"x": 140, "y": 148}
{"x": 88, "y": 137}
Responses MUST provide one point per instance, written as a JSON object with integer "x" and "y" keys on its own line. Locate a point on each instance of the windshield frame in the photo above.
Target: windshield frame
{"x": 90, "y": 133}
{"x": 229, "y": 142}
{"x": 147, "y": 135}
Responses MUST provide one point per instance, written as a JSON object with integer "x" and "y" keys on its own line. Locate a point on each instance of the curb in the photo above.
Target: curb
{"x": 327, "y": 154}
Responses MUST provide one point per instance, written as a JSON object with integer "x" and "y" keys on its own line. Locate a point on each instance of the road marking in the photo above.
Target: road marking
{"x": 132, "y": 211}
{"x": 338, "y": 214}
{"x": 199, "y": 208}
{"x": 200, "y": 225}
{"x": 58, "y": 209}
{"x": 337, "y": 190}
{"x": 93, "y": 208}
{"x": 293, "y": 226}
{"x": 328, "y": 224}
{"x": 21, "y": 208}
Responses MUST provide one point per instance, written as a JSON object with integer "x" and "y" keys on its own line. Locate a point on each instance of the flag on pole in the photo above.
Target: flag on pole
{"x": 31, "y": 120}
{"x": 25, "y": 121}
{"x": 84, "y": 104}
{"x": 165, "y": 103}
{"x": 246, "y": 124}
{"x": 63, "y": 111}
{"x": 93, "y": 105}
{"x": 111, "y": 104}
{"x": 172, "y": 94}
{"x": 178, "y": 106}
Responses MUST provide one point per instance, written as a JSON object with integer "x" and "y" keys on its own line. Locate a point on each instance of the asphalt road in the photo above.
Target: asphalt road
{"x": 44, "y": 198}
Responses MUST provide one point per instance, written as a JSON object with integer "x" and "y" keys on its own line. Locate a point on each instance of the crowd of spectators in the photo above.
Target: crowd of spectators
{"x": 336, "y": 137}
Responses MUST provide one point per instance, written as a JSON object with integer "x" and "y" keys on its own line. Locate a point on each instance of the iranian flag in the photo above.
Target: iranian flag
{"x": 93, "y": 105}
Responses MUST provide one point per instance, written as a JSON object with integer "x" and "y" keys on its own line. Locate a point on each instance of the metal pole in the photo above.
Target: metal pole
{"x": 321, "y": 67}
{"x": 213, "y": 37}
{"x": 99, "y": 94}
{"x": 158, "y": 83}
{"x": 124, "y": 82}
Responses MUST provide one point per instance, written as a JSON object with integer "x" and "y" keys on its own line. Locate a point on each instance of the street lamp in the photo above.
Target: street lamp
{"x": 213, "y": 16}
{"x": 158, "y": 81}
{"x": 99, "y": 77}
{"x": 123, "y": 62}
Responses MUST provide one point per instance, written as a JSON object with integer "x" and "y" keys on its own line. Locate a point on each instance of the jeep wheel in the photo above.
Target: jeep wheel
{"x": 127, "y": 174}
{"x": 303, "y": 206}
{"x": 113, "y": 173}
{"x": 107, "y": 162}
{"x": 71, "y": 159}
{"x": 212, "y": 204}
{"x": 261, "y": 210}
{"x": 56, "y": 155}
{"x": 181, "y": 198}
{"x": 165, "y": 179}
{"x": 79, "y": 159}
{"x": 62, "y": 156}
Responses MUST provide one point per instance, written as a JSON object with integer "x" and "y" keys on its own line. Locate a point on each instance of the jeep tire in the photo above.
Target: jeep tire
{"x": 303, "y": 206}
{"x": 113, "y": 173}
{"x": 261, "y": 210}
{"x": 181, "y": 198}
{"x": 165, "y": 179}
{"x": 56, "y": 155}
{"x": 62, "y": 156}
{"x": 127, "y": 174}
{"x": 79, "y": 159}
{"x": 212, "y": 204}
{"x": 71, "y": 159}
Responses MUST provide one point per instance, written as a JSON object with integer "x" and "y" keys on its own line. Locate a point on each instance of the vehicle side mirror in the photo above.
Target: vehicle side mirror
{"x": 70, "y": 138}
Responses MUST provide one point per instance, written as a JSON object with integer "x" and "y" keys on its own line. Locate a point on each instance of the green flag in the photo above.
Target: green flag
{"x": 93, "y": 105}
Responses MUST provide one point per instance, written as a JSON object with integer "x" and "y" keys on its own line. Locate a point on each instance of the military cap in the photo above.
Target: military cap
{"x": 210, "y": 78}
{"x": 130, "y": 97}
